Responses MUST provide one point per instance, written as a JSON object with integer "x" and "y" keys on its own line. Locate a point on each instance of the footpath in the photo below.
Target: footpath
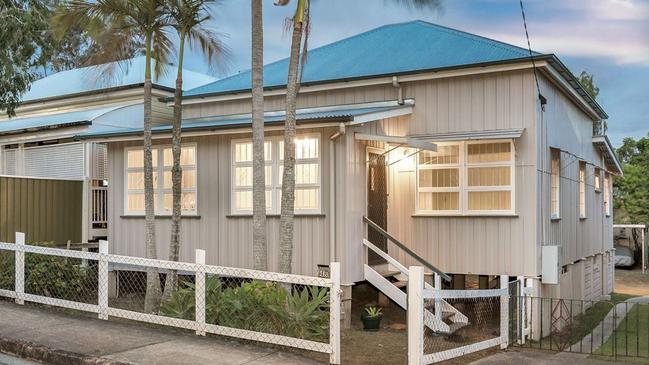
{"x": 53, "y": 337}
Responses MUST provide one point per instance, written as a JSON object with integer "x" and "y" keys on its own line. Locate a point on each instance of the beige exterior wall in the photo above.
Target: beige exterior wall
{"x": 227, "y": 240}
{"x": 477, "y": 245}
{"x": 565, "y": 127}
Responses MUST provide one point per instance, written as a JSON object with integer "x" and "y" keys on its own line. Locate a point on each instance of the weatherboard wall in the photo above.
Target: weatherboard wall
{"x": 226, "y": 239}
{"x": 565, "y": 127}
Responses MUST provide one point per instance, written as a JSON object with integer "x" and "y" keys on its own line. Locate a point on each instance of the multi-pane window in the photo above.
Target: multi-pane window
{"x": 598, "y": 179}
{"x": 582, "y": 189}
{"x": 555, "y": 184}
{"x": 466, "y": 178}
{"x": 307, "y": 174}
{"x": 162, "y": 157}
{"x": 607, "y": 194}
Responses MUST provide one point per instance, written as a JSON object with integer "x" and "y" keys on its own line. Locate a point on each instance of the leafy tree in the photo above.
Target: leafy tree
{"x": 21, "y": 37}
{"x": 116, "y": 25}
{"x": 587, "y": 81}
{"x": 631, "y": 191}
{"x": 188, "y": 18}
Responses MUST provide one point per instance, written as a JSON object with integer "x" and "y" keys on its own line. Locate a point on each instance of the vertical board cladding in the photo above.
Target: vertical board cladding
{"x": 227, "y": 239}
{"x": 45, "y": 210}
{"x": 489, "y": 245}
{"x": 565, "y": 127}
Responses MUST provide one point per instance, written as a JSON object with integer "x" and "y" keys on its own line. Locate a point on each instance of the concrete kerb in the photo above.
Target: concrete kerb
{"x": 31, "y": 351}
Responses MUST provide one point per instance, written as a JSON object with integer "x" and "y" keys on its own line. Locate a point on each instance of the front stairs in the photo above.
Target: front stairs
{"x": 439, "y": 315}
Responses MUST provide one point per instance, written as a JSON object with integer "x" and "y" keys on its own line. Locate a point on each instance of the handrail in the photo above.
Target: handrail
{"x": 411, "y": 253}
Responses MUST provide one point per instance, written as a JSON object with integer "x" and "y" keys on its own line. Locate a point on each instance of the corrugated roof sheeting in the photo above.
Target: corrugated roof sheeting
{"x": 339, "y": 113}
{"x": 603, "y": 144}
{"x": 41, "y": 122}
{"x": 390, "y": 49}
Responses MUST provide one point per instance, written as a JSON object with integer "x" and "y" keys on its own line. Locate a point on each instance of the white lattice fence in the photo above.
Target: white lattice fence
{"x": 487, "y": 326}
{"x": 289, "y": 310}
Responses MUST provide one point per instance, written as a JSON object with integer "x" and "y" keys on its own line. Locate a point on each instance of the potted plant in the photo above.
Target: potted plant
{"x": 371, "y": 318}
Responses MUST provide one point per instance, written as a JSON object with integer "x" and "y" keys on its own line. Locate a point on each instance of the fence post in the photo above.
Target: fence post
{"x": 438, "y": 301}
{"x": 200, "y": 292}
{"x": 504, "y": 312}
{"x": 521, "y": 310}
{"x": 19, "y": 257}
{"x": 334, "y": 312}
{"x": 415, "y": 315}
{"x": 102, "y": 274}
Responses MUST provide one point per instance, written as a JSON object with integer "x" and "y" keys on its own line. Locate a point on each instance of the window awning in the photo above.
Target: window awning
{"x": 473, "y": 135}
{"x": 406, "y": 141}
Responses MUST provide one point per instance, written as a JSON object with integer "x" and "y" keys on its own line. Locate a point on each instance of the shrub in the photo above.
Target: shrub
{"x": 257, "y": 306}
{"x": 52, "y": 276}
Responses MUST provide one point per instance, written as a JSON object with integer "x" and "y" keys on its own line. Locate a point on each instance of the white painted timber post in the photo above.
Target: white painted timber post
{"x": 415, "y": 315}
{"x": 200, "y": 292}
{"x": 529, "y": 285}
{"x": 102, "y": 289}
{"x": 19, "y": 257}
{"x": 504, "y": 312}
{"x": 334, "y": 312}
{"x": 521, "y": 310}
{"x": 438, "y": 300}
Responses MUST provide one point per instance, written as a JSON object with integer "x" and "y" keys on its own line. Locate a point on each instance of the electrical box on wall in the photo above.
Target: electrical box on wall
{"x": 550, "y": 264}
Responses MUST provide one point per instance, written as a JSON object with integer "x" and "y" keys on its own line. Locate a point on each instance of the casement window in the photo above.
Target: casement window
{"x": 555, "y": 184}
{"x": 582, "y": 189}
{"x": 307, "y": 175}
{"x": 598, "y": 180}
{"x": 466, "y": 178}
{"x": 607, "y": 194}
{"x": 162, "y": 182}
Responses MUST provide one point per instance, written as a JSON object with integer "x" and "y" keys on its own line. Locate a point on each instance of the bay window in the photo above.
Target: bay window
{"x": 162, "y": 182}
{"x": 307, "y": 175}
{"x": 466, "y": 178}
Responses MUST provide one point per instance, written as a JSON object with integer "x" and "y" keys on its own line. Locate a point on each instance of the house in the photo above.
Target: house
{"x": 438, "y": 136}
{"x": 40, "y": 140}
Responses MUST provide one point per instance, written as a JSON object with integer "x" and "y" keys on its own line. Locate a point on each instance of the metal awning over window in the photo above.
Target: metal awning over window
{"x": 402, "y": 141}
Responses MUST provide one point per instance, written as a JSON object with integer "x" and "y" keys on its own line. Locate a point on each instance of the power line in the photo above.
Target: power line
{"x": 542, "y": 99}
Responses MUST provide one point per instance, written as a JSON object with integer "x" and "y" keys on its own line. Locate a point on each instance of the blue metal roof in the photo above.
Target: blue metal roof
{"x": 88, "y": 79}
{"x": 340, "y": 113}
{"x": 390, "y": 49}
{"x": 41, "y": 122}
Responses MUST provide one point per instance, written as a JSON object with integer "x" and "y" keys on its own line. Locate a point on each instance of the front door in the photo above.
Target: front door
{"x": 377, "y": 203}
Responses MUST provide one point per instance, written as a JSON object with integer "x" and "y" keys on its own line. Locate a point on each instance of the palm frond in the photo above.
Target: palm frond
{"x": 210, "y": 43}
{"x": 162, "y": 52}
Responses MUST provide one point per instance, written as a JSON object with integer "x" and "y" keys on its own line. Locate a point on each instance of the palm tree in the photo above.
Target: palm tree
{"x": 116, "y": 23}
{"x": 259, "y": 248}
{"x": 299, "y": 41}
{"x": 188, "y": 18}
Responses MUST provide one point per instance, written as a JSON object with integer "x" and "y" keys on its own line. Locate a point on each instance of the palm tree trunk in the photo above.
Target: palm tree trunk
{"x": 152, "y": 298}
{"x": 288, "y": 179}
{"x": 259, "y": 248}
{"x": 171, "y": 282}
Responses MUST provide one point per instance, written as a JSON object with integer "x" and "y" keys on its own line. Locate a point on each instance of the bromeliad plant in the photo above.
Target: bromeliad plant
{"x": 371, "y": 318}
{"x": 257, "y": 306}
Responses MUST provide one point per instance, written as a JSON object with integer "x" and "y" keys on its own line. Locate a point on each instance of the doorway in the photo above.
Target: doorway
{"x": 377, "y": 203}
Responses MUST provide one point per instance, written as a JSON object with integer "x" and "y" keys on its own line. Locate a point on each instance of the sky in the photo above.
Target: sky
{"x": 609, "y": 38}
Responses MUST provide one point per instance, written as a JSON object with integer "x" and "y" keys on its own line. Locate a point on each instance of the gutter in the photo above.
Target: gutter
{"x": 44, "y": 128}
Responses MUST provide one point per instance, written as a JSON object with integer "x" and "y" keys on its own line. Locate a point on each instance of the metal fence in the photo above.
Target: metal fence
{"x": 289, "y": 310}
{"x": 599, "y": 328}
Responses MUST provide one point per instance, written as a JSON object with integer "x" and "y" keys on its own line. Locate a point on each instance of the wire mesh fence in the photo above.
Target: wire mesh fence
{"x": 282, "y": 309}
{"x": 483, "y": 314}
{"x": 603, "y": 329}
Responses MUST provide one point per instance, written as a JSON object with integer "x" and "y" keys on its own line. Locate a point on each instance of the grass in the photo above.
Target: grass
{"x": 630, "y": 341}
{"x": 584, "y": 324}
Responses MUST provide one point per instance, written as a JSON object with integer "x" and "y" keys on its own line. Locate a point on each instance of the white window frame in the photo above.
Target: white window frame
{"x": 555, "y": 179}
{"x": 463, "y": 188}
{"x": 275, "y": 186}
{"x": 583, "y": 169}
{"x": 159, "y": 191}
{"x": 598, "y": 180}
{"x": 607, "y": 193}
